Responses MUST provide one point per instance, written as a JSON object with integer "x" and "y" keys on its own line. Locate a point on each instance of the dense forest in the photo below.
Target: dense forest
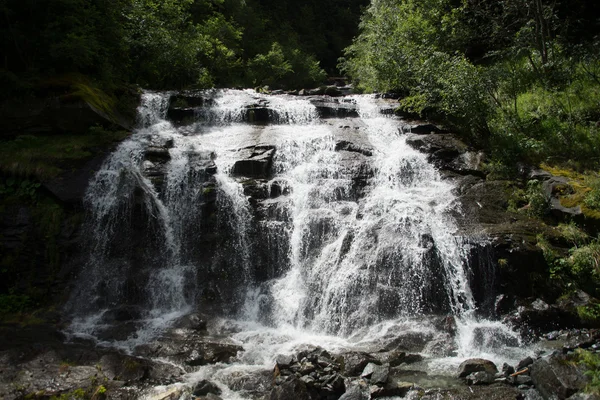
{"x": 519, "y": 77}
{"x": 175, "y": 43}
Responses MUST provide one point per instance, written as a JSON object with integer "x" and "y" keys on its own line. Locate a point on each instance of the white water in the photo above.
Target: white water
{"x": 354, "y": 269}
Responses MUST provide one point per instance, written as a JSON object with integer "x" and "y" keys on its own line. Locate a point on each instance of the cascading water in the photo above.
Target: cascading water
{"x": 299, "y": 229}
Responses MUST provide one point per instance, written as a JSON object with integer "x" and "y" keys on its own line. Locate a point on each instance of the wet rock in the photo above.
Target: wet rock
{"x": 526, "y": 362}
{"x": 332, "y": 108}
{"x": 191, "y": 348}
{"x": 376, "y": 374}
{"x": 480, "y": 378}
{"x": 251, "y": 383}
{"x": 399, "y": 389}
{"x": 410, "y": 341}
{"x": 540, "y": 317}
{"x": 448, "y": 153}
{"x": 441, "y": 346}
{"x": 205, "y": 387}
{"x": 355, "y": 392}
{"x": 284, "y": 361}
{"x": 355, "y": 362}
{"x": 155, "y": 153}
{"x": 334, "y": 385}
{"x": 122, "y": 313}
{"x": 291, "y": 389}
{"x": 523, "y": 380}
{"x": 420, "y": 129}
{"x": 507, "y": 370}
{"x": 131, "y": 369}
{"x": 255, "y": 162}
{"x": 211, "y": 353}
{"x": 557, "y": 375}
{"x": 195, "y": 321}
{"x": 353, "y": 147}
{"x": 472, "y": 365}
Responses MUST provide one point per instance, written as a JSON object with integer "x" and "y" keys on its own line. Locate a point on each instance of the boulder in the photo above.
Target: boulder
{"x": 472, "y": 365}
{"x": 355, "y": 392}
{"x": 293, "y": 388}
{"x": 557, "y": 376}
{"x": 420, "y": 129}
{"x": 480, "y": 378}
{"x": 376, "y": 374}
{"x": 255, "y": 162}
{"x": 205, "y": 387}
{"x": 355, "y": 362}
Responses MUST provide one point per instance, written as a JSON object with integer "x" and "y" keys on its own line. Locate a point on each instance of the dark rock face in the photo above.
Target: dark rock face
{"x": 555, "y": 375}
{"x": 255, "y": 162}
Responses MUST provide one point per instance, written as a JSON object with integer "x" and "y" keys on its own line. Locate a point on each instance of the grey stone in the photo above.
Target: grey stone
{"x": 556, "y": 375}
{"x": 472, "y": 365}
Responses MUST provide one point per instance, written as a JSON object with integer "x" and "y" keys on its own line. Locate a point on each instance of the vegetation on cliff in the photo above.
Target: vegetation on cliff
{"x": 519, "y": 77}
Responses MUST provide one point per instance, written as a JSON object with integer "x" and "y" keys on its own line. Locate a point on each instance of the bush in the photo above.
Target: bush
{"x": 539, "y": 202}
{"x": 591, "y": 362}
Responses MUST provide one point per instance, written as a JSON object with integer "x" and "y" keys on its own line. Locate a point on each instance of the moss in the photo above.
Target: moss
{"x": 44, "y": 157}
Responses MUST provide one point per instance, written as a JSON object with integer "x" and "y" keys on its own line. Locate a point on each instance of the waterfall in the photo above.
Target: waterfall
{"x": 260, "y": 210}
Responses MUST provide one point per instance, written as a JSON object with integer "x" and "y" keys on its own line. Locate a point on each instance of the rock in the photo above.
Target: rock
{"x": 480, "y": 378}
{"x": 254, "y": 384}
{"x": 194, "y": 321}
{"x": 284, "y": 361}
{"x": 334, "y": 385}
{"x": 211, "y": 396}
{"x": 349, "y": 146}
{"x": 526, "y": 362}
{"x": 155, "y": 153}
{"x": 355, "y": 362}
{"x": 205, "y": 387}
{"x": 332, "y": 91}
{"x": 420, "y": 129}
{"x": 399, "y": 389}
{"x": 377, "y": 374}
{"x": 410, "y": 341}
{"x": 507, "y": 370}
{"x": 355, "y": 392}
{"x": 536, "y": 321}
{"x": 291, "y": 389}
{"x": 255, "y": 162}
{"x": 557, "y": 375}
{"x": 523, "y": 380}
{"x": 472, "y": 365}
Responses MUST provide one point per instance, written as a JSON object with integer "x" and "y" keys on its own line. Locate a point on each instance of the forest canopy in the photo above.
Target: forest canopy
{"x": 519, "y": 77}
{"x": 175, "y": 43}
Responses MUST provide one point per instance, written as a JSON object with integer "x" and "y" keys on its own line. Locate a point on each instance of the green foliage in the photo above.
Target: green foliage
{"x": 592, "y": 198}
{"x": 171, "y": 43}
{"x": 591, "y": 362}
{"x": 573, "y": 234}
{"x": 278, "y": 68}
{"x": 14, "y": 303}
{"x": 44, "y": 157}
{"x": 509, "y": 77}
{"x": 22, "y": 189}
{"x": 539, "y": 202}
{"x": 579, "y": 268}
{"x": 590, "y": 314}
